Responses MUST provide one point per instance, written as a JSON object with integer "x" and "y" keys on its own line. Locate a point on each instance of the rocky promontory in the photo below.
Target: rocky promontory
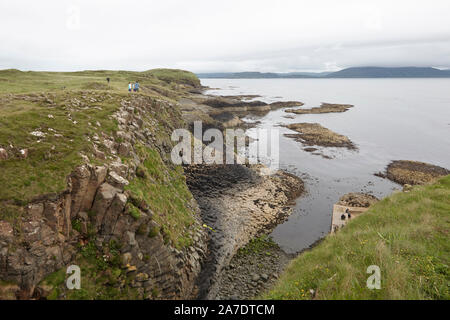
{"x": 88, "y": 181}
{"x": 407, "y": 172}
{"x": 313, "y": 134}
{"x": 324, "y": 108}
{"x": 357, "y": 199}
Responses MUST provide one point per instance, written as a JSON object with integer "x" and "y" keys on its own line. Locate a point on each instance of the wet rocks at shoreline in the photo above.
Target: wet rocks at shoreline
{"x": 238, "y": 203}
{"x": 205, "y": 106}
{"x": 357, "y": 199}
{"x": 313, "y": 134}
{"x": 324, "y": 108}
{"x": 285, "y": 104}
{"x": 407, "y": 172}
{"x": 242, "y": 96}
{"x": 254, "y": 269}
{"x": 227, "y": 119}
{"x": 239, "y": 104}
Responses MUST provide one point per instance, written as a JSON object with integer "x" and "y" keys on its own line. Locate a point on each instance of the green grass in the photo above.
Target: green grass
{"x": 102, "y": 277}
{"x": 162, "y": 188}
{"x": 165, "y": 80}
{"x": 52, "y": 158}
{"x": 175, "y": 76}
{"x": 406, "y": 235}
{"x": 31, "y": 101}
{"x": 67, "y": 108}
{"x": 257, "y": 246}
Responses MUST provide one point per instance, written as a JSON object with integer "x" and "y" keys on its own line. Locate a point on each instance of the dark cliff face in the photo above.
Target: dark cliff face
{"x": 125, "y": 217}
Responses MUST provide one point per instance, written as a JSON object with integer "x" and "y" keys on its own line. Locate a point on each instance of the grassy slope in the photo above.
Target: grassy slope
{"x": 52, "y": 158}
{"x": 15, "y": 81}
{"x": 406, "y": 235}
{"x": 174, "y": 197}
{"x": 26, "y": 101}
{"x": 45, "y": 169}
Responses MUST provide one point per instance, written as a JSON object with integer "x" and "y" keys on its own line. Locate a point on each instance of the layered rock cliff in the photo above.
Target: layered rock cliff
{"x": 125, "y": 216}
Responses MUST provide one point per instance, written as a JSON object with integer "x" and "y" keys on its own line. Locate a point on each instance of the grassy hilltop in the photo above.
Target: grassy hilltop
{"x": 69, "y": 109}
{"x": 51, "y": 122}
{"x": 165, "y": 80}
{"x": 51, "y": 103}
{"x": 406, "y": 235}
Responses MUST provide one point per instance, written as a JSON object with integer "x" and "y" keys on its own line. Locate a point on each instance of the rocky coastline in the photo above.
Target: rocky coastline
{"x": 238, "y": 203}
{"x": 102, "y": 222}
{"x": 144, "y": 228}
{"x": 313, "y": 134}
{"x": 406, "y": 172}
{"x": 99, "y": 222}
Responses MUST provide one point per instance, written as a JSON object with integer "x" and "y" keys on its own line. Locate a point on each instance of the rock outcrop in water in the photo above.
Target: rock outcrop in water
{"x": 313, "y": 134}
{"x": 413, "y": 172}
{"x": 357, "y": 199}
{"x": 324, "y": 108}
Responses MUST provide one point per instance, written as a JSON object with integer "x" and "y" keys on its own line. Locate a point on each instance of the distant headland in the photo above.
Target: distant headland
{"x": 355, "y": 72}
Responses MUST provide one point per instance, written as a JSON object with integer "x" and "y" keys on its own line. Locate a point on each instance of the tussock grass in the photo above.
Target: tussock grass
{"x": 406, "y": 235}
{"x": 66, "y": 107}
{"x": 165, "y": 80}
{"x": 162, "y": 187}
{"x": 52, "y": 157}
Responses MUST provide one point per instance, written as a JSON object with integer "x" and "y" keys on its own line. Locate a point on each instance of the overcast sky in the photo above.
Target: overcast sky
{"x": 225, "y": 35}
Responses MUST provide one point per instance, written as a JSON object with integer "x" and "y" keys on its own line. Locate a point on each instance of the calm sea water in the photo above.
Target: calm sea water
{"x": 393, "y": 119}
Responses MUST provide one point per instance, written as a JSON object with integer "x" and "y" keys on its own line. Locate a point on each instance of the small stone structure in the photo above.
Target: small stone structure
{"x": 340, "y": 211}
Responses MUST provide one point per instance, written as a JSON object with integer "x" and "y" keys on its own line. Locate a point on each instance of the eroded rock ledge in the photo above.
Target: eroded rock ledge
{"x": 313, "y": 134}
{"x": 324, "y": 108}
{"x": 357, "y": 199}
{"x": 238, "y": 203}
{"x": 407, "y": 172}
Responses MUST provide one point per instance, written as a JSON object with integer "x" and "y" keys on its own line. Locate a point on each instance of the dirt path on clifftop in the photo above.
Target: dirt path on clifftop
{"x": 237, "y": 203}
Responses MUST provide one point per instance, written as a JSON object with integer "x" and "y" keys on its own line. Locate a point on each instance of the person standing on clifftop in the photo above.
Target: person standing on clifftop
{"x": 136, "y": 87}
{"x": 130, "y": 86}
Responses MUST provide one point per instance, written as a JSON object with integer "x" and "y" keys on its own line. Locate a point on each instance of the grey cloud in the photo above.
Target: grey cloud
{"x": 232, "y": 35}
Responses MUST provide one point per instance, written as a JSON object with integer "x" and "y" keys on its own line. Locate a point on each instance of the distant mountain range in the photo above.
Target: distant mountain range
{"x": 357, "y": 72}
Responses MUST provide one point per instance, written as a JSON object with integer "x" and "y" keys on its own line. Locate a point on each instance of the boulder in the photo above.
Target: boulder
{"x": 97, "y": 177}
{"x": 141, "y": 277}
{"x": 116, "y": 180}
{"x": 99, "y": 154}
{"x": 125, "y": 136}
{"x": 80, "y": 180}
{"x": 124, "y": 149}
{"x": 84, "y": 220}
{"x": 23, "y": 153}
{"x": 113, "y": 212}
{"x": 103, "y": 199}
{"x": 35, "y": 210}
{"x": 119, "y": 168}
{"x": 52, "y": 213}
{"x": 255, "y": 277}
{"x": 6, "y": 232}
{"x": 126, "y": 259}
{"x": 357, "y": 199}
{"x": 3, "y": 154}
